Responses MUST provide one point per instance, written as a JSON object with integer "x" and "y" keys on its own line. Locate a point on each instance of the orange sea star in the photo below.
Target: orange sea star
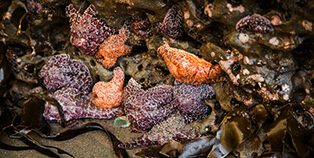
{"x": 108, "y": 95}
{"x": 112, "y": 48}
{"x": 187, "y": 67}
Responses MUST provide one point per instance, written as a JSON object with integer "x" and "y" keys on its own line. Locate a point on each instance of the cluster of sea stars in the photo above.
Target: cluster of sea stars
{"x": 147, "y": 108}
{"x": 69, "y": 82}
{"x": 154, "y": 110}
{"x": 87, "y": 32}
{"x": 163, "y": 111}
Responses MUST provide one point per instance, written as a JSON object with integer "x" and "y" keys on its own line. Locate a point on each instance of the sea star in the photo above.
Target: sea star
{"x": 172, "y": 24}
{"x": 87, "y": 32}
{"x": 69, "y": 82}
{"x": 62, "y": 71}
{"x": 191, "y": 98}
{"x": 76, "y": 106}
{"x": 254, "y": 23}
{"x": 172, "y": 128}
{"x": 187, "y": 67}
{"x": 108, "y": 95}
{"x": 141, "y": 26}
{"x": 145, "y": 108}
{"x": 112, "y": 48}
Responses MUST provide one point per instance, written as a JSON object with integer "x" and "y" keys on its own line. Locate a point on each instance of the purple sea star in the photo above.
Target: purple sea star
{"x": 172, "y": 128}
{"x": 69, "y": 82}
{"x": 76, "y": 106}
{"x": 62, "y": 71}
{"x": 87, "y": 32}
{"x": 254, "y": 23}
{"x": 191, "y": 100}
{"x": 145, "y": 108}
{"x": 141, "y": 26}
{"x": 172, "y": 24}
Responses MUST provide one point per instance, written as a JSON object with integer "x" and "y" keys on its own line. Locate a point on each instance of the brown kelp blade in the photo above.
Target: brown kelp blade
{"x": 88, "y": 127}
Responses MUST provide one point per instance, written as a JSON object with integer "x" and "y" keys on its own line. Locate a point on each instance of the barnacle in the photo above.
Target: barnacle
{"x": 61, "y": 71}
{"x": 254, "y": 23}
{"x": 108, "y": 95}
{"x": 187, "y": 67}
{"x": 112, "y": 48}
{"x": 87, "y": 32}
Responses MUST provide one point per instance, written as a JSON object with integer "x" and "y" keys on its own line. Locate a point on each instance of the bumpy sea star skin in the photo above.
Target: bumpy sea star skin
{"x": 145, "y": 108}
{"x": 113, "y": 47}
{"x": 108, "y": 95}
{"x": 76, "y": 106}
{"x": 191, "y": 100}
{"x": 172, "y": 24}
{"x": 87, "y": 32}
{"x": 254, "y": 23}
{"x": 172, "y": 128}
{"x": 187, "y": 67}
{"x": 62, "y": 71}
{"x": 141, "y": 26}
